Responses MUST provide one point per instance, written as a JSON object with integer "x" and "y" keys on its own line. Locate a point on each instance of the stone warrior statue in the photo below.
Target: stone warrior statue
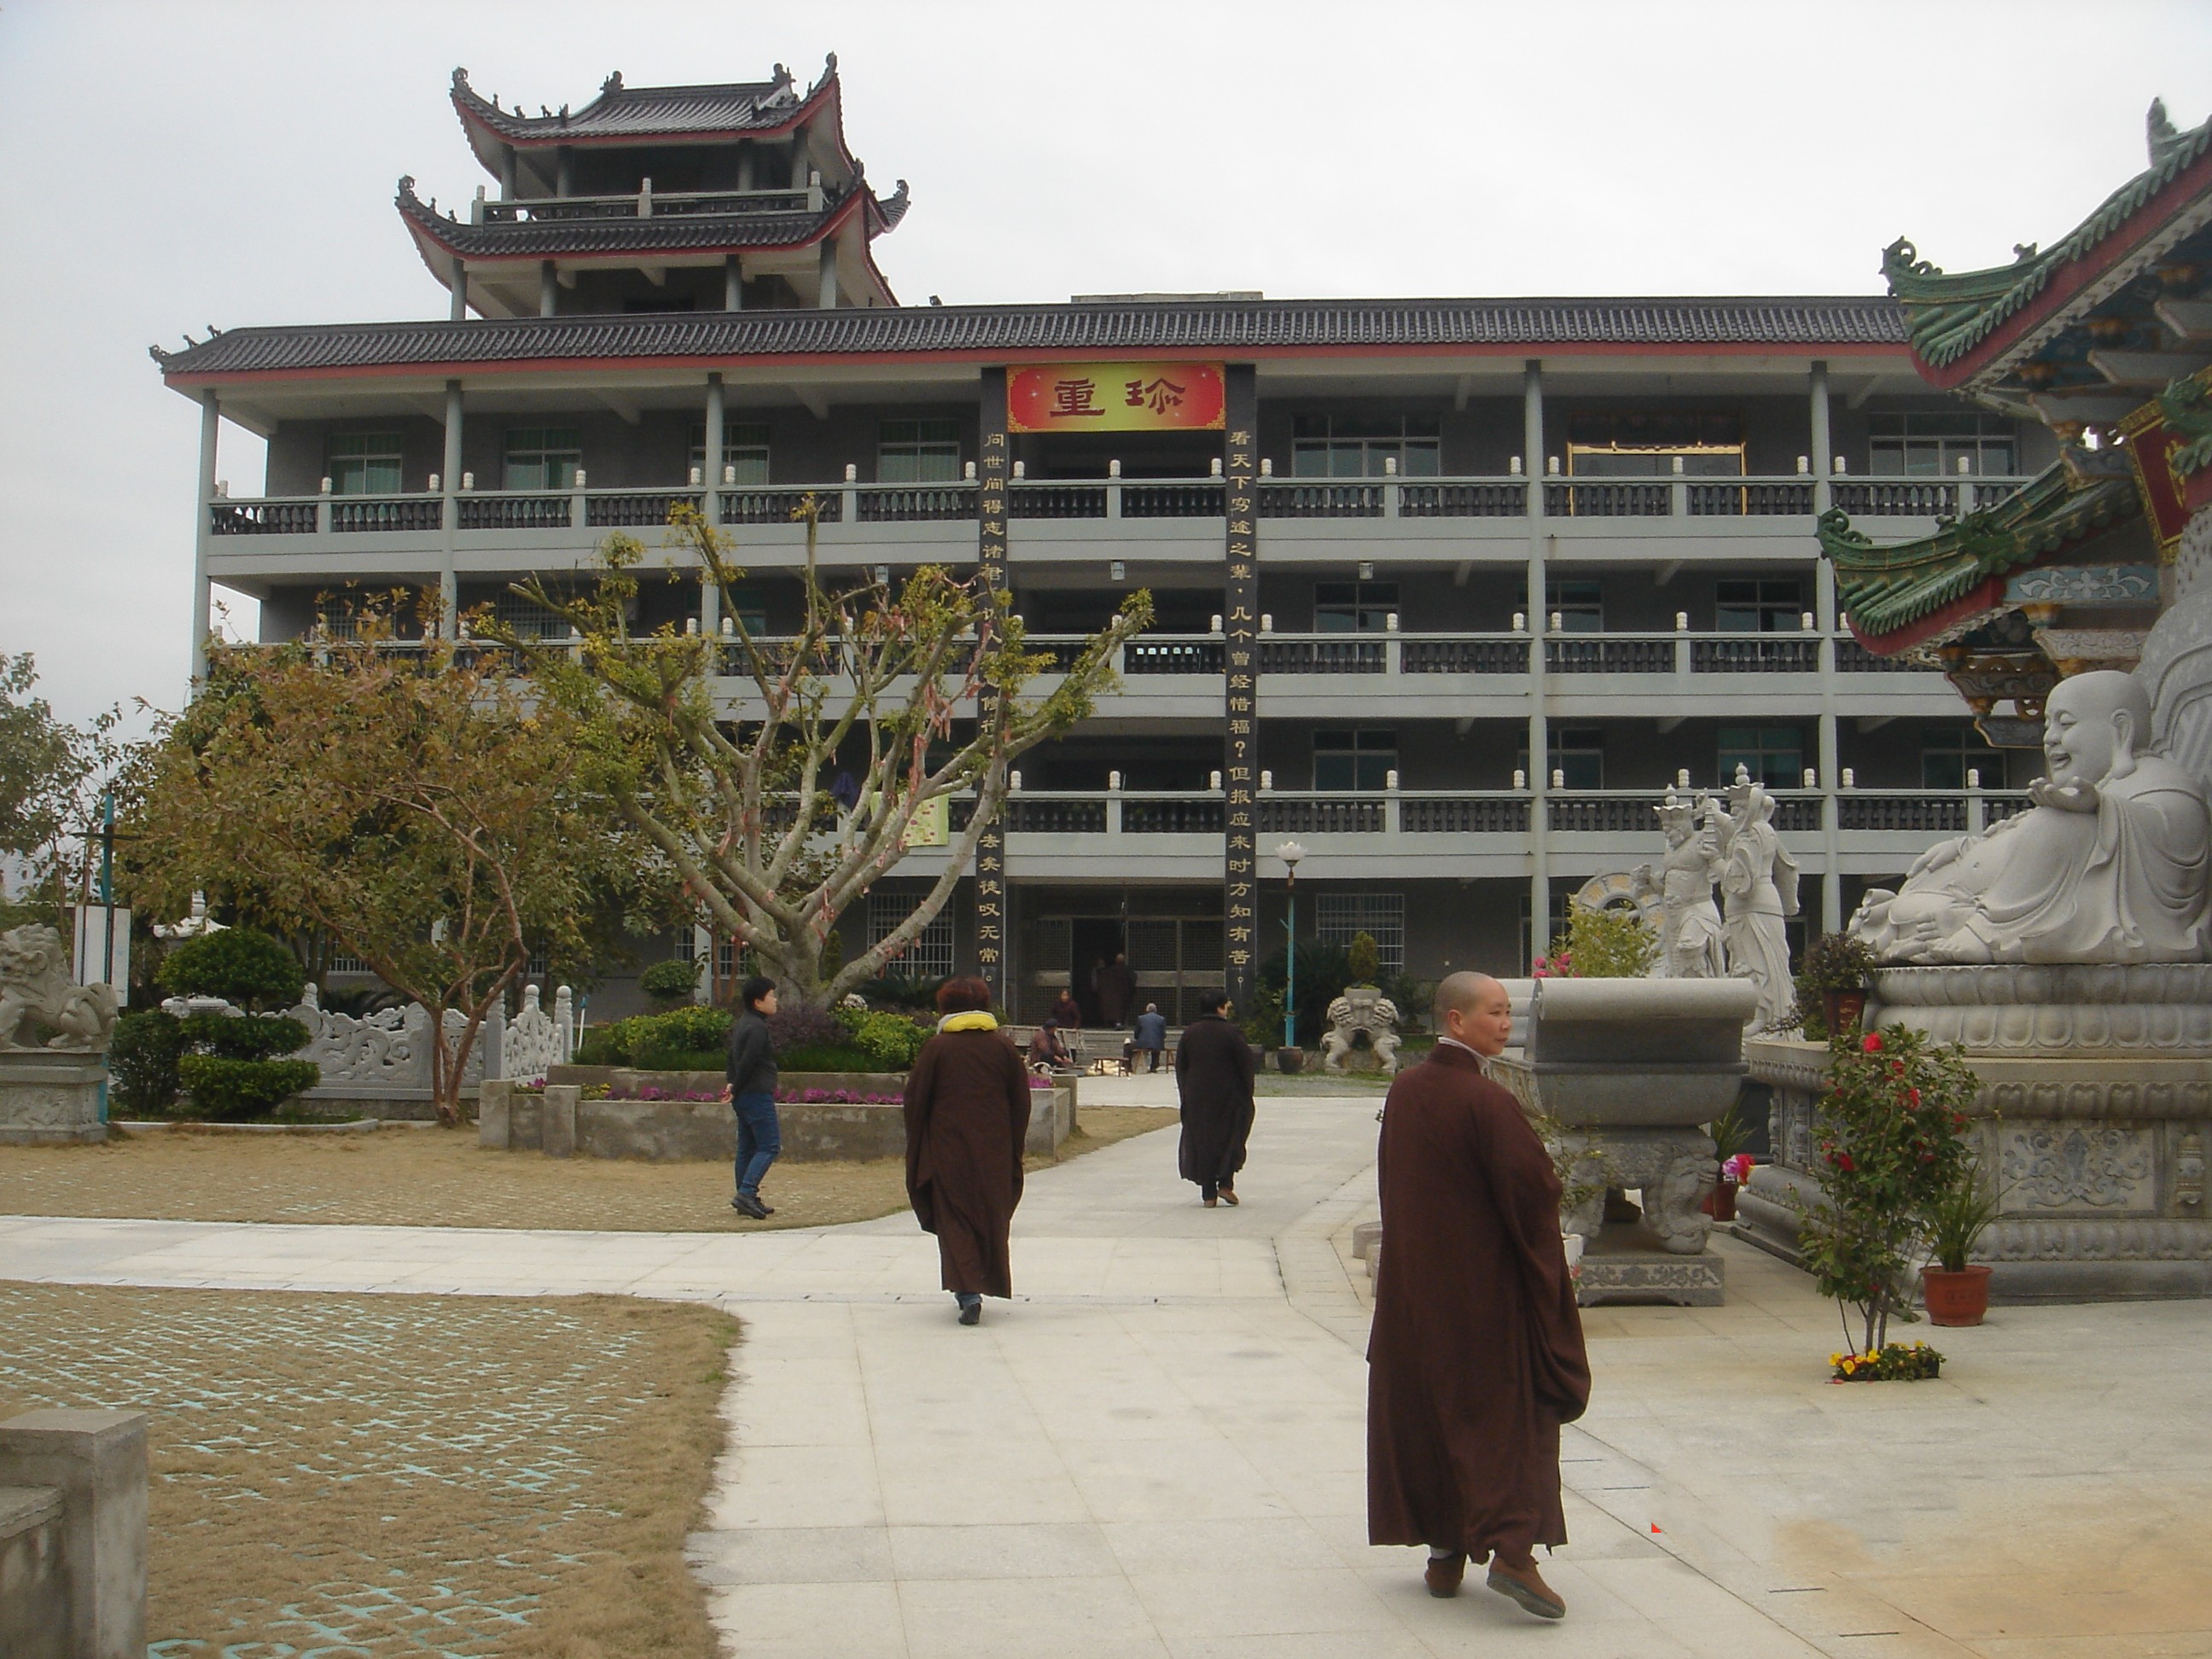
{"x": 1759, "y": 889}
{"x": 2109, "y": 865}
{"x": 1689, "y": 921}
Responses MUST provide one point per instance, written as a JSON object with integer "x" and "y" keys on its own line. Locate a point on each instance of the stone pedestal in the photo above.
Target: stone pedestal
{"x": 2093, "y": 1117}
{"x": 1627, "y": 1072}
{"x": 49, "y": 1097}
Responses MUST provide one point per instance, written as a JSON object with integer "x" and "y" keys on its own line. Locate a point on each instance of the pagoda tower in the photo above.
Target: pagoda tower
{"x": 736, "y": 197}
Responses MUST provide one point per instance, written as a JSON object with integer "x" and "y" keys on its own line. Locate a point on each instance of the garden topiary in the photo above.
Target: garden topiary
{"x": 1363, "y": 960}
{"x": 889, "y": 1041}
{"x": 233, "y": 1067}
{"x": 142, "y": 1062}
{"x": 670, "y": 982}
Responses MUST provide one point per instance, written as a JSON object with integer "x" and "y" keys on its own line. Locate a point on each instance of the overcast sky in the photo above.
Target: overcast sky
{"x": 175, "y": 164}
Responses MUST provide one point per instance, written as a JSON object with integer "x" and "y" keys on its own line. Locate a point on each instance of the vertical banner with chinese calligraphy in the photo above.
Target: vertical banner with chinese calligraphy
{"x": 991, "y": 470}
{"x": 1240, "y": 623}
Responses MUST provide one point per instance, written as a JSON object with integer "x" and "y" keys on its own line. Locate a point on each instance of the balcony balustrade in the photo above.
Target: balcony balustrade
{"x": 1630, "y": 811}
{"x": 1187, "y": 498}
{"x": 647, "y": 204}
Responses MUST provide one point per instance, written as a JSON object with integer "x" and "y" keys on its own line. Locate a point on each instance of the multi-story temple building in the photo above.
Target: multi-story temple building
{"x": 1449, "y": 591}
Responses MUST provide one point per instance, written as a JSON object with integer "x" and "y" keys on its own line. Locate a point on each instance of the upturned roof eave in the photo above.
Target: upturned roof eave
{"x": 2011, "y": 309}
{"x": 488, "y": 128}
{"x": 1902, "y": 594}
{"x": 430, "y": 231}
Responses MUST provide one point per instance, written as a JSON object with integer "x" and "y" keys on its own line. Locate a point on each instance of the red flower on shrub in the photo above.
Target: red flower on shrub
{"x": 1872, "y": 1044}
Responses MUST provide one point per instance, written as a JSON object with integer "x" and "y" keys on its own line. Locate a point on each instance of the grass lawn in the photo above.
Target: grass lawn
{"x": 430, "y": 1178}
{"x": 385, "y": 1475}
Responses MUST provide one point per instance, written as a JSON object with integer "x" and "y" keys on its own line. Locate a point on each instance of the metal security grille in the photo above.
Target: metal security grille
{"x": 1381, "y": 916}
{"x": 929, "y": 955}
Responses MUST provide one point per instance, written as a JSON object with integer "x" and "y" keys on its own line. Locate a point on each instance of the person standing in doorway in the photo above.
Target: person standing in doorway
{"x": 752, "y": 1095}
{"x": 1151, "y": 1036}
{"x": 1066, "y": 1013}
{"x": 967, "y": 1117}
{"x": 1214, "y": 1067}
{"x": 1113, "y": 987}
{"x": 1476, "y": 1355}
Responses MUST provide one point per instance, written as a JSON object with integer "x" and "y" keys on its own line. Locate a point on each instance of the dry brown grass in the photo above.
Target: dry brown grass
{"x": 432, "y": 1177}
{"x": 386, "y": 1476}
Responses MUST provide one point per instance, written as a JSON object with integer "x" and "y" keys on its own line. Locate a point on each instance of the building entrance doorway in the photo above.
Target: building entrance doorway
{"x": 1097, "y": 940}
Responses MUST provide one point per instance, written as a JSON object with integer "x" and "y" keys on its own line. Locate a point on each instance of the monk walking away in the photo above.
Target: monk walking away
{"x": 1214, "y": 1067}
{"x": 967, "y": 1117}
{"x": 1476, "y": 1355}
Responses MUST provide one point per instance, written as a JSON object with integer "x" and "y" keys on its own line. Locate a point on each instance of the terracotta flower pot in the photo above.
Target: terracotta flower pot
{"x": 1720, "y": 1202}
{"x": 1290, "y": 1059}
{"x": 1843, "y": 1010}
{"x": 1956, "y": 1298}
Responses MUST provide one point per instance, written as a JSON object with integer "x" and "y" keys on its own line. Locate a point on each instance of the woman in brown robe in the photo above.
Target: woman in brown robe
{"x": 1476, "y": 1354}
{"x": 1214, "y": 1068}
{"x": 967, "y": 1116}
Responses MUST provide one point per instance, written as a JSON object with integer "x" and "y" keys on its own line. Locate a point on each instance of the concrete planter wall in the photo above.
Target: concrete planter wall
{"x": 669, "y": 1130}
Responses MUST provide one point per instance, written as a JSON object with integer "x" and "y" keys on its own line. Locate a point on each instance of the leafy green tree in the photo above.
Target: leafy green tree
{"x": 418, "y": 808}
{"x": 879, "y": 682}
{"x": 50, "y": 772}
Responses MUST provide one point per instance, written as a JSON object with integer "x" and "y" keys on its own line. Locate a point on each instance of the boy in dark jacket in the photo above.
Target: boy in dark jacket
{"x": 752, "y": 1095}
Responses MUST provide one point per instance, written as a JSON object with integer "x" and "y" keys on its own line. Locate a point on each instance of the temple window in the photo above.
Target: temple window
{"x": 1773, "y": 755}
{"x": 918, "y": 452}
{"x": 1947, "y": 752}
{"x": 1353, "y": 607}
{"x": 1381, "y": 917}
{"x": 1357, "y": 447}
{"x": 364, "y": 463}
{"x": 542, "y": 457}
{"x": 1758, "y": 607}
{"x": 1932, "y": 444}
{"x": 745, "y": 452}
{"x": 1354, "y": 761}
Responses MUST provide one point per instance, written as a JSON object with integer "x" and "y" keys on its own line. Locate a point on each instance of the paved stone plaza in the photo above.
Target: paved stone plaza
{"x": 1158, "y": 1449}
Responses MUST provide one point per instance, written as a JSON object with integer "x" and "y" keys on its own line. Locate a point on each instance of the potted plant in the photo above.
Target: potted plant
{"x": 1840, "y": 969}
{"x": 1731, "y": 1135}
{"x": 1957, "y": 1290}
{"x": 1889, "y": 1146}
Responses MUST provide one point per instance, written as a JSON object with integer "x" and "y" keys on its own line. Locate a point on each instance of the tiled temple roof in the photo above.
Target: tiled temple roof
{"x": 1884, "y": 591}
{"x": 1224, "y": 326}
{"x": 623, "y": 114}
{"x": 662, "y": 232}
{"x": 1949, "y": 315}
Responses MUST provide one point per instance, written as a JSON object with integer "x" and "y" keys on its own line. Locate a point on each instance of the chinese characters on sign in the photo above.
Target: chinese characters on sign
{"x": 991, "y": 474}
{"x": 1239, "y": 619}
{"x": 1114, "y": 397}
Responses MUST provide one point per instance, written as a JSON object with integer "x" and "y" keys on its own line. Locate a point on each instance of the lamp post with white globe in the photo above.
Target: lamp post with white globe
{"x": 1291, "y": 852}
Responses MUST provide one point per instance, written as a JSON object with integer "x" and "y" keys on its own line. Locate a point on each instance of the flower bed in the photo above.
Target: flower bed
{"x": 1895, "y": 1362}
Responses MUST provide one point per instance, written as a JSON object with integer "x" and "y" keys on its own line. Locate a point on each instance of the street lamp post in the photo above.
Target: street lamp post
{"x": 1290, "y": 852}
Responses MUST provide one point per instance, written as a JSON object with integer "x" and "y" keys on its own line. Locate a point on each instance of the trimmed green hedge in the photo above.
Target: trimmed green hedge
{"x": 694, "y": 1038}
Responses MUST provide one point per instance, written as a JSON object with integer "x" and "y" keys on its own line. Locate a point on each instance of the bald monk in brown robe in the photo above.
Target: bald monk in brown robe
{"x": 1476, "y": 1356}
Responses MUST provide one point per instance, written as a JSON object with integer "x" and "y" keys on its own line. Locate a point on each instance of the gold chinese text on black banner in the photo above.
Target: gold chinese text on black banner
{"x": 1240, "y": 613}
{"x": 991, "y": 473}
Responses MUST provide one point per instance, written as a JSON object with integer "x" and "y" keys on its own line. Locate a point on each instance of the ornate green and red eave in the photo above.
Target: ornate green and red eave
{"x": 1919, "y": 594}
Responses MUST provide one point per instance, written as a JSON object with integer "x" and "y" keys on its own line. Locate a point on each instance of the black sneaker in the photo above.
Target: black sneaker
{"x": 749, "y": 1206}
{"x": 971, "y": 1313}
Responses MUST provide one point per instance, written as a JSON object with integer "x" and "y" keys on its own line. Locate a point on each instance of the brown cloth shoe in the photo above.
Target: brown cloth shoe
{"x": 1443, "y": 1573}
{"x": 1527, "y": 1586}
{"x": 1229, "y": 1196}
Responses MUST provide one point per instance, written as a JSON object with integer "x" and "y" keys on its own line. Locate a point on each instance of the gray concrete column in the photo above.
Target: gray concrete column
{"x": 799, "y": 166}
{"x": 204, "y": 533}
{"x": 564, "y": 172}
{"x": 449, "y": 484}
{"x": 1539, "y": 739}
{"x": 457, "y": 282}
{"x": 549, "y": 288}
{"x": 828, "y": 294}
{"x": 1824, "y": 616}
{"x": 507, "y": 172}
{"x": 710, "y": 472}
{"x": 733, "y": 284}
{"x": 97, "y": 1459}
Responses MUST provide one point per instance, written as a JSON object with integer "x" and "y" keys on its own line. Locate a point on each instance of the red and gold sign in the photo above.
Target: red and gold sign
{"x": 1114, "y": 397}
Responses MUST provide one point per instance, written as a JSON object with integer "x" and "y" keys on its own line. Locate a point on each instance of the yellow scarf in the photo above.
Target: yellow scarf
{"x": 976, "y": 1020}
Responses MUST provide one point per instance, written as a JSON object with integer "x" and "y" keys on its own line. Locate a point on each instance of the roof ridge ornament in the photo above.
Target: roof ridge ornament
{"x": 2159, "y": 131}
{"x": 1901, "y": 258}
{"x": 612, "y": 85}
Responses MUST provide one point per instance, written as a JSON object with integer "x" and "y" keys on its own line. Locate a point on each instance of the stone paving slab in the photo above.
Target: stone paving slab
{"x": 1159, "y": 1447}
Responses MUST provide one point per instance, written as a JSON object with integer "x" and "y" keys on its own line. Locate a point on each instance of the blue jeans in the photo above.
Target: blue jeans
{"x": 760, "y": 1138}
